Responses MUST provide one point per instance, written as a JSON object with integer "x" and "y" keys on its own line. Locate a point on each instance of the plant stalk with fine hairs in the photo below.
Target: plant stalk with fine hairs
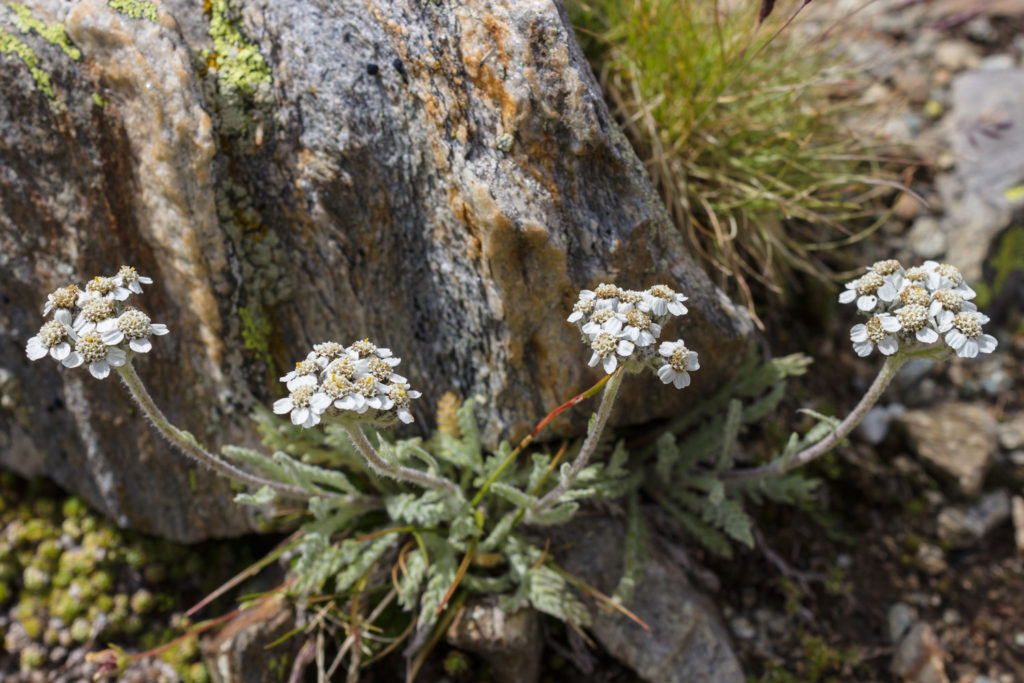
{"x": 588, "y": 447}
{"x": 384, "y": 468}
{"x": 874, "y": 392}
{"x": 188, "y": 444}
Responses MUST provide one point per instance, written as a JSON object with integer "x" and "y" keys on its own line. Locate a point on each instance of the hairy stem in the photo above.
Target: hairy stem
{"x": 588, "y": 447}
{"x": 192, "y": 448}
{"x": 875, "y": 391}
{"x": 384, "y": 468}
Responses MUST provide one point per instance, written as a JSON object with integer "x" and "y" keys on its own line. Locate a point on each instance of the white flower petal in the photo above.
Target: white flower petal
{"x": 867, "y": 302}
{"x": 299, "y": 415}
{"x": 116, "y": 357}
{"x": 609, "y": 363}
{"x": 624, "y": 347}
{"x": 283, "y": 405}
{"x": 99, "y": 369}
{"x": 847, "y": 296}
{"x": 859, "y": 333}
{"x": 927, "y": 335}
{"x": 955, "y": 338}
{"x": 987, "y": 343}
{"x": 682, "y": 380}
{"x": 692, "y": 363}
{"x": 60, "y": 351}
{"x": 35, "y": 349}
{"x": 970, "y": 349}
{"x": 159, "y": 329}
{"x": 73, "y": 360}
{"x": 888, "y": 346}
{"x": 404, "y": 415}
{"x": 112, "y": 337}
{"x": 666, "y": 374}
{"x": 890, "y": 323}
{"x": 140, "y": 345}
{"x": 863, "y": 349}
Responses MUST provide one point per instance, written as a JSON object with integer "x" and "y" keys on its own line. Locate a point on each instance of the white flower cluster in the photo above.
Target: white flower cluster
{"x": 353, "y": 379}
{"x": 622, "y": 326}
{"x": 94, "y": 326}
{"x": 916, "y": 305}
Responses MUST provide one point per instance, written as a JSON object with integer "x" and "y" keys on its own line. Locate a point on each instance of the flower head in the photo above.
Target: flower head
{"x": 356, "y": 379}
{"x": 62, "y": 302}
{"x": 964, "y": 335}
{"x": 129, "y": 278}
{"x": 86, "y": 318}
{"x": 880, "y": 330}
{"x": 305, "y": 404}
{"x": 621, "y": 326}
{"x": 91, "y": 350}
{"x": 607, "y": 347}
{"x": 134, "y": 326}
{"x": 916, "y": 307}
{"x": 679, "y": 362}
{"x": 53, "y": 339}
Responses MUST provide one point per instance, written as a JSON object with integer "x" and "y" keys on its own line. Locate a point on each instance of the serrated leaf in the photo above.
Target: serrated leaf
{"x": 634, "y": 552}
{"x": 549, "y": 593}
{"x": 263, "y": 496}
{"x": 519, "y": 498}
{"x": 559, "y": 514}
{"x": 439, "y": 580}
{"x": 539, "y": 469}
{"x": 360, "y": 557}
{"x": 409, "y": 583}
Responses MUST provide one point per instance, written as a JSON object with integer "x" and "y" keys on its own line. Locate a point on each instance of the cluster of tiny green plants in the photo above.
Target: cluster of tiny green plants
{"x": 739, "y": 125}
{"x": 683, "y": 470}
{"x": 71, "y": 579}
{"x": 432, "y": 550}
{"x": 437, "y": 542}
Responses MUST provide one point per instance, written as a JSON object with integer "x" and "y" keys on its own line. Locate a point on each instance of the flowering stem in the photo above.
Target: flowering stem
{"x": 188, "y": 444}
{"x": 384, "y": 468}
{"x": 875, "y": 391}
{"x": 588, "y": 447}
{"x": 529, "y": 437}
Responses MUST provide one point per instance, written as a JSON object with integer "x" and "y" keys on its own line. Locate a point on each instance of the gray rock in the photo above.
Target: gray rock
{"x": 918, "y": 658}
{"x": 239, "y": 651}
{"x": 687, "y": 640}
{"x": 926, "y": 238}
{"x": 510, "y": 643}
{"x": 989, "y": 148}
{"x": 956, "y": 55}
{"x": 1011, "y": 433}
{"x": 956, "y": 439}
{"x": 999, "y": 62}
{"x": 931, "y": 559}
{"x": 441, "y": 178}
{"x": 962, "y": 528}
{"x": 875, "y": 425}
{"x": 901, "y": 618}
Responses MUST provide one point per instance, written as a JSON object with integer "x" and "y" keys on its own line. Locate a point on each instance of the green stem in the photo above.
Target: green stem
{"x": 384, "y": 468}
{"x": 875, "y": 391}
{"x": 188, "y": 444}
{"x": 588, "y": 447}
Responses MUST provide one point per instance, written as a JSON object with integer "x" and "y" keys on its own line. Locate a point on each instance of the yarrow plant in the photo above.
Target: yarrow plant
{"x": 426, "y": 504}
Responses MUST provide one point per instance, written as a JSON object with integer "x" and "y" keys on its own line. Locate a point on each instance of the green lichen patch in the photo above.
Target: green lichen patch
{"x": 136, "y": 9}
{"x": 235, "y": 59}
{"x": 52, "y": 33}
{"x": 12, "y": 45}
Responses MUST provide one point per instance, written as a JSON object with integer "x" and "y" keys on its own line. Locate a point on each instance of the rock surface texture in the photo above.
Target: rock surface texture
{"x": 687, "y": 641}
{"x": 441, "y": 177}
